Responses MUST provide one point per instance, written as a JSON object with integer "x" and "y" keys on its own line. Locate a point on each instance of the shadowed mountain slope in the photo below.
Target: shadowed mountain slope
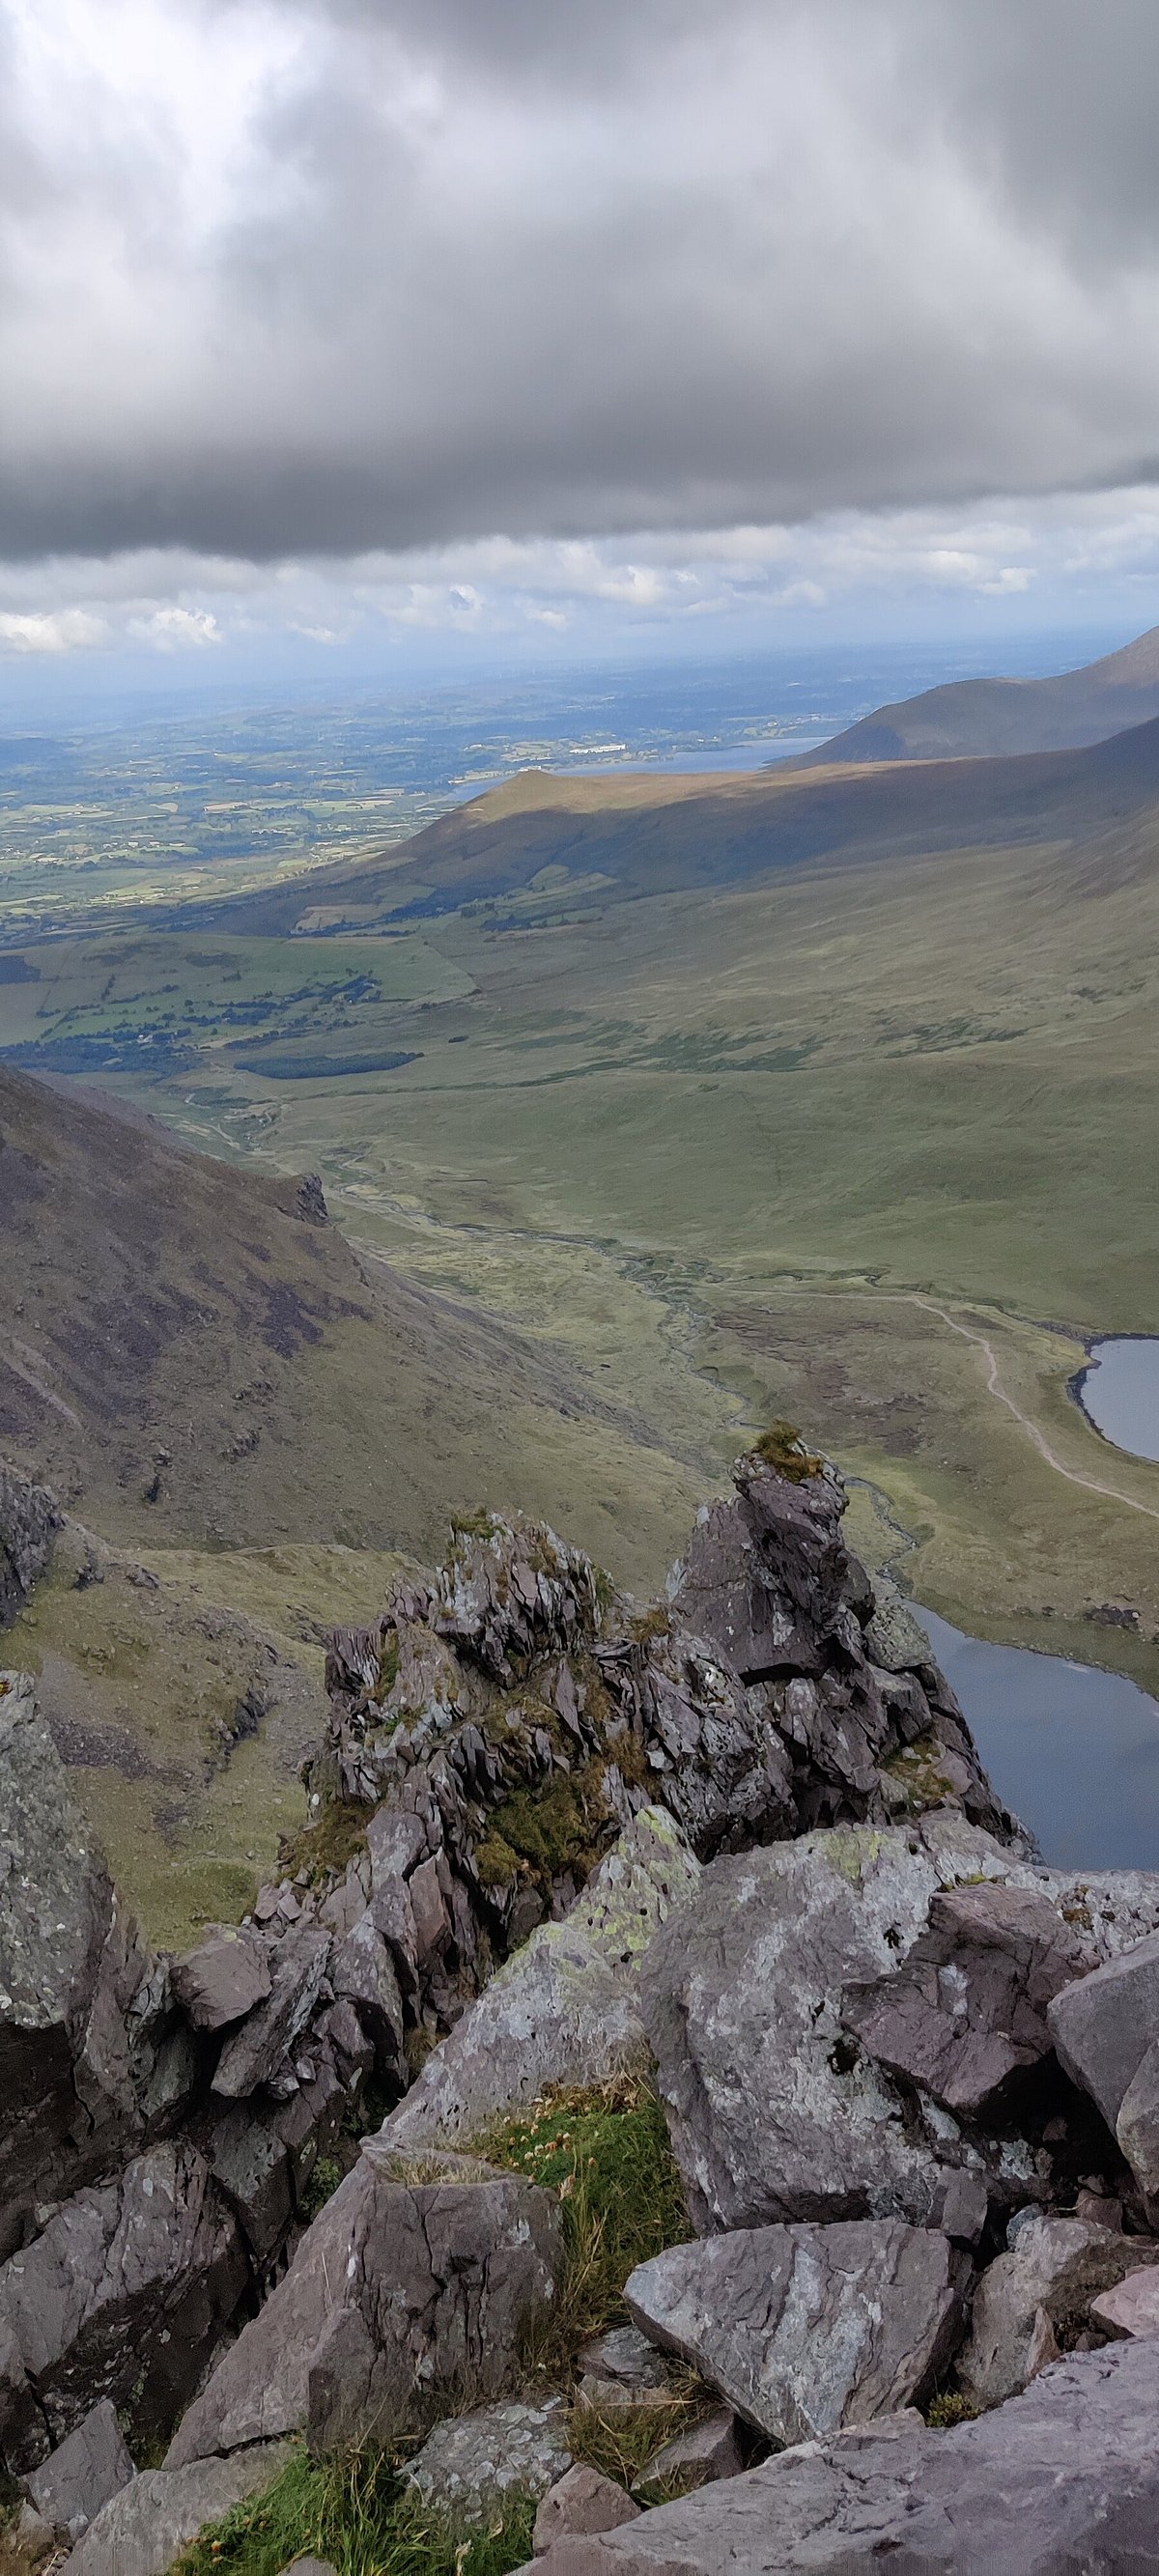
{"x": 631, "y": 836}
{"x": 983, "y": 719}
{"x": 189, "y": 1355}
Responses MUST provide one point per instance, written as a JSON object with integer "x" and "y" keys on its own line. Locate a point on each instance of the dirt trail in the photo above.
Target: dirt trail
{"x": 994, "y": 1387}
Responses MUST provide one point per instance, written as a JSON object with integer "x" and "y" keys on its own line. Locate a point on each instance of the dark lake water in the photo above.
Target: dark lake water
{"x": 1119, "y": 1389}
{"x": 1074, "y": 1752}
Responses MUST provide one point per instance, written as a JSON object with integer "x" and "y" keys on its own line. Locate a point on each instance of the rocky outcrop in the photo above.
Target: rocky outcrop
{"x": 400, "y": 2288}
{"x": 125, "y": 2289}
{"x": 787, "y": 2116}
{"x": 70, "y": 1974}
{"x": 804, "y": 2329}
{"x": 1060, "y": 2482}
{"x": 29, "y": 1519}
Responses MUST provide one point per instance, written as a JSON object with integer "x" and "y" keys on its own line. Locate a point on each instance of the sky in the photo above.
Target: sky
{"x": 404, "y": 333}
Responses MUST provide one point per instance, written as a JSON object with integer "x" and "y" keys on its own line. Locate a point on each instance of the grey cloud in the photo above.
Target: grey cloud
{"x": 580, "y": 269}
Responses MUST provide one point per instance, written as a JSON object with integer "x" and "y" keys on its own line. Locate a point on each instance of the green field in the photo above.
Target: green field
{"x": 843, "y": 1139}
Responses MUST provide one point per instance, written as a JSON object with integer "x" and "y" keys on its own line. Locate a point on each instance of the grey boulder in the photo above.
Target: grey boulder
{"x": 708, "y": 2450}
{"x": 1061, "y": 2482}
{"x": 1033, "y": 2295}
{"x": 256, "y": 2051}
{"x": 81, "y": 2475}
{"x": 149, "y": 2523}
{"x": 566, "y": 2008}
{"x": 222, "y": 1979}
{"x": 472, "y": 2465}
{"x": 398, "y": 2288}
{"x": 804, "y": 2329}
{"x": 965, "y": 2016}
{"x": 123, "y": 2295}
{"x": 583, "y": 2502}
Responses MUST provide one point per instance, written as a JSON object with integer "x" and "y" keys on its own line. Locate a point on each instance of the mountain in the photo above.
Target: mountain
{"x": 634, "y": 835}
{"x": 190, "y": 1354}
{"x": 982, "y": 719}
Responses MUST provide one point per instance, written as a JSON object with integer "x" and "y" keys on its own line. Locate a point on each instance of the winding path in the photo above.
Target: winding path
{"x": 995, "y": 1388}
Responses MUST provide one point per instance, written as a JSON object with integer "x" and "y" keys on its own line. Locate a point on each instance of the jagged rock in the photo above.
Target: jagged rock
{"x": 123, "y": 2295}
{"x": 1062, "y": 2482}
{"x": 70, "y": 1966}
{"x": 29, "y": 1519}
{"x": 222, "y": 1979}
{"x": 895, "y": 1641}
{"x": 472, "y": 2464}
{"x": 1131, "y": 2307}
{"x": 624, "y": 2368}
{"x": 1031, "y": 2297}
{"x": 145, "y": 2528}
{"x": 362, "y": 1972}
{"x": 804, "y": 2329}
{"x": 783, "y": 2116}
{"x": 565, "y": 2009}
{"x": 79, "y": 2477}
{"x": 709, "y": 2450}
{"x": 397, "y": 2287}
{"x": 581, "y": 2503}
{"x": 966, "y": 2013}
{"x": 256, "y": 2052}
{"x": 720, "y": 1763}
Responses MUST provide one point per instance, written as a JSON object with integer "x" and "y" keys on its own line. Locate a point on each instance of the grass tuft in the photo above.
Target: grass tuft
{"x": 353, "y": 2509}
{"x": 782, "y": 1447}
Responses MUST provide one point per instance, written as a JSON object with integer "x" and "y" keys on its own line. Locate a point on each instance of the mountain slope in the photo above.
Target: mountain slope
{"x": 981, "y": 719}
{"x": 190, "y": 1357}
{"x": 632, "y": 836}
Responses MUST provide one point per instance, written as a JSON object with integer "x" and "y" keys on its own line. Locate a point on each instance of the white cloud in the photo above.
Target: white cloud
{"x": 65, "y": 630}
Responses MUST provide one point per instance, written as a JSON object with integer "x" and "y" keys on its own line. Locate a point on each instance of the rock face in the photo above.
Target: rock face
{"x": 965, "y": 2017}
{"x": 783, "y": 2116}
{"x": 128, "y": 2285}
{"x": 1062, "y": 2482}
{"x": 70, "y": 1970}
{"x": 397, "y": 2289}
{"x": 804, "y": 2329}
{"x": 29, "y": 1518}
{"x": 566, "y": 2008}
{"x": 1026, "y": 2300}
{"x": 1105, "y": 2034}
{"x": 79, "y": 2477}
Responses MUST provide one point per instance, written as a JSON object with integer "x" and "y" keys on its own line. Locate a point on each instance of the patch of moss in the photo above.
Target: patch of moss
{"x": 558, "y": 1827}
{"x": 495, "y": 1861}
{"x": 607, "y": 2152}
{"x": 952, "y": 2406}
{"x": 387, "y": 1668}
{"x": 917, "y": 1770}
{"x": 328, "y": 1844}
{"x": 474, "y": 1525}
{"x": 353, "y": 2509}
{"x": 651, "y": 1624}
{"x": 782, "y": 1447}
{"x": 322, "y": 2185}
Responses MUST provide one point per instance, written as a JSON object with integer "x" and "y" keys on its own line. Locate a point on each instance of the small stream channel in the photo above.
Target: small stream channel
{"x": 1073, "y": 1751}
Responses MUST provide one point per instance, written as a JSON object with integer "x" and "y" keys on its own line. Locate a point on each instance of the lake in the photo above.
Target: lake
{"x": 1119, "y": 1391}
{"x": 1074, "y": 1752}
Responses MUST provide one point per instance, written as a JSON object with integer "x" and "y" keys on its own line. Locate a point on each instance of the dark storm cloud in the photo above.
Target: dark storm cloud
{"x": 479, "y": 265}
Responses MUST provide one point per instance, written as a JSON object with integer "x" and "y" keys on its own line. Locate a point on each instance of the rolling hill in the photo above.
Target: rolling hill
{"x": 981, "y": 719}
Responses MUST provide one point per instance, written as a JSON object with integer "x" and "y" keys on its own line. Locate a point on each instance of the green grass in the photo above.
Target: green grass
{"x": 353, "y": 2509}
{"x": 607, "y": 2152}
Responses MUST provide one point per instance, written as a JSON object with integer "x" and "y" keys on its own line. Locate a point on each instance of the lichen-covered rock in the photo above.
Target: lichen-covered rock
{"x": 804, "y": 2329}
{"x": 124, "y": 2295}
{"x": 1062, "y": 2482}
{"x": 965, "y": 2017}
{"x": 1033, "y": 2298}
{"x": 399, "y": 2287}
{"x": 29, "y": 1519}
{"x": 783, "y": 2115}
{"x": 566, "y": 2008}
{"x": 472, "y": 2465}
{"x": 70, "y": 1967}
